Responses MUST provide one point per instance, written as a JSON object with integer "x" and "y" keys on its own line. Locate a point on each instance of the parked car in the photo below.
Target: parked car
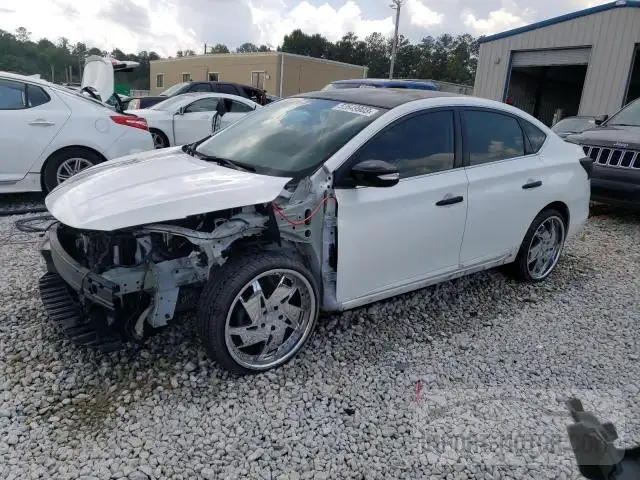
{"x": 322, "y": 201}
{"x": 189, "y": 117}
{"x": 381, "y": 83}
{"x": 570, "y": 125}
{"x": 50, "y": 132}
{"x": 614, "y": 147}
{"x": 246, "y": 91}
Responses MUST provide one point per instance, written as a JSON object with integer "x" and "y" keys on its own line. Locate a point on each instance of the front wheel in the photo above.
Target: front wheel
{"x": 541, "y": 247}
{"x": 257, "y": 311}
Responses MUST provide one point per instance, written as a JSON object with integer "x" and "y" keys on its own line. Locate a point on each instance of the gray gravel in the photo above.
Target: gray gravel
{"x": 494, "y": 360}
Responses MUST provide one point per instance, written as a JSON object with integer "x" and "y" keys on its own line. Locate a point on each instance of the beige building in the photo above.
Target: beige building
{"x": 280, "y": 74}
{"x": 583, "y": 63}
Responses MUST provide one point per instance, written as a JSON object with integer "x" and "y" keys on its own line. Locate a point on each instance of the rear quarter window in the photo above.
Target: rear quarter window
{"x": 536, "y": 136}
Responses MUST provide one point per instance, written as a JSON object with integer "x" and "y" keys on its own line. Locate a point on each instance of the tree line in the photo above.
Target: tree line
{"x": 445, "y": 58}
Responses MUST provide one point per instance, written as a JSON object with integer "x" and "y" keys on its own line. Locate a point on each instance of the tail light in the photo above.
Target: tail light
{"x": 131, "y": 121}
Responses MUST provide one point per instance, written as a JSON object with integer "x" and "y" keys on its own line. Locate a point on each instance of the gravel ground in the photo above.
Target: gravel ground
{"x": 464, "y": 380}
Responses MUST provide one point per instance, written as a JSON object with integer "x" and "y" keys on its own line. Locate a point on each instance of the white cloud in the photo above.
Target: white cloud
{"x": 87, "y": 22}
{"x": 274, "y": 22}
{"x": 496, "y": 21}
{"x": 421, "y": 15}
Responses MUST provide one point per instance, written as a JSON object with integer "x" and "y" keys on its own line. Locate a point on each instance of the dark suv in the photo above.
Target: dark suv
{"x": 614, "y": 146}
{"x": 253, "y": 93}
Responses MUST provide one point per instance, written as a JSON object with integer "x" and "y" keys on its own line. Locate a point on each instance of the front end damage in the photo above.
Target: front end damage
{"x": 103, "y": 288}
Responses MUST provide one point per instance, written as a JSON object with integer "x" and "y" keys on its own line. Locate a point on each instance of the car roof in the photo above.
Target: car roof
{"x": 26, "y": 78}
{"x": 379, "y": 97}
{"x": 386, "y": 82}
{"x": 213, "y": 94}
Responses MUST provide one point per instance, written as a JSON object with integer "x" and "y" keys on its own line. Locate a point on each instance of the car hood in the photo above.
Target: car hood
{"x": 155, "y": 186}
{"x": 613, "y": 136}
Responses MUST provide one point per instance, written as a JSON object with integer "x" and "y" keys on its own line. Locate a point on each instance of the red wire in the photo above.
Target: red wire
{"x": 281, "y": 214}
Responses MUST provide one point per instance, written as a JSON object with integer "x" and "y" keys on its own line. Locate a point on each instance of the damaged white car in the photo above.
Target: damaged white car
{"x": 323, "y": 201}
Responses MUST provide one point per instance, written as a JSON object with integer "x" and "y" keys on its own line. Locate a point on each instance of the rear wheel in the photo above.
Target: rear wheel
{"x": 541, "y": 247}
{"x": 67, "y": 163}
{"x": 257, "y": 312}
{"x": 160, "y": 140}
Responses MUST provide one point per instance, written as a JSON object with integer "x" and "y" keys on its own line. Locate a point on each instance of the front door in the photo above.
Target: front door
{"x": 30, "y": 119}
{"x": 395, "y": 236}
{"x": 507, "y": 185}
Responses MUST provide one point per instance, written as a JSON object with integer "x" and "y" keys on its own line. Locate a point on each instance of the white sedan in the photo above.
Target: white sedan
{"x": 322, "y": 201}
{"x": 189, "y": 117}
{"x": 50, "y": 132}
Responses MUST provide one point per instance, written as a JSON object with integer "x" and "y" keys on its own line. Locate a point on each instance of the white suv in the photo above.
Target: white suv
{"x": 50, "y": 132}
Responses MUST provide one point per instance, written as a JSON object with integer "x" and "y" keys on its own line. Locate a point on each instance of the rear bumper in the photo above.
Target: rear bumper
{"x": 616, "y": 186}
{"x": 131, "y": 142}
{"x": 89, "y": 286}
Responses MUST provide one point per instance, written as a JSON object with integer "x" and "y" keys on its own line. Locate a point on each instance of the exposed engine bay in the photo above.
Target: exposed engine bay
{"x": 157, "y": 271}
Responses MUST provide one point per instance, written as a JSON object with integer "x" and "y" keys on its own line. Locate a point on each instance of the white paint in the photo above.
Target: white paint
{"x": 155, "y": 186}
{"x": 361, "y": 110}
{"x": 29, "y": 136}
{"x": 190, "y": 126}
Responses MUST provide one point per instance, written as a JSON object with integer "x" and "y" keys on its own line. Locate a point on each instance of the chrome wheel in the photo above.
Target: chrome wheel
{"x": 158, "y": 140}
{"x": 545, "y": 247}
{"x": 270, "y": 319}
{"x": 70, "y": 167}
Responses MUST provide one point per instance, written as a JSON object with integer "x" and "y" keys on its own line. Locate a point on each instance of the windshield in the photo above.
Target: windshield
{"x": 290, "y": 137}
{"x": 169, "y": 104}
{"x": 573, "y": 125}
{"x": 629, "y": 115}
{"x": 173, "y": 89}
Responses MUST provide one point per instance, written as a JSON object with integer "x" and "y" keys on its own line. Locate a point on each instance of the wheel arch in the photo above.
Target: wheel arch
{"x": 562, "y": 208}
{"x": 64, "y": 149}
{"x": 161, "y": 132}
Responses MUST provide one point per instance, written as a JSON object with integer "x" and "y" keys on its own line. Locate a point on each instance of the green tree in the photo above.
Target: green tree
{"x": 219, "y": 48}
{"x": 22, "y": 35}
{"x": 247, "y": 47}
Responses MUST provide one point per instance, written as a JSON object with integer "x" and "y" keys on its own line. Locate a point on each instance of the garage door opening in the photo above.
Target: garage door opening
{"x": 634, "y": 81}
{"x": 548, "y": 83}
{"x": 549, "y": 93}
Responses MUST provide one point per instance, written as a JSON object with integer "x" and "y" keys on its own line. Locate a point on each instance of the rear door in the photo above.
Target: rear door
{"x": 31, "y": 118}
{"x": 196, "y": 122}
{"x": 507, "y": 184}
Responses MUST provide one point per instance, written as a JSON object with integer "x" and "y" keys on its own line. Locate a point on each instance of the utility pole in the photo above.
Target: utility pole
{"x": 396, "y": 6}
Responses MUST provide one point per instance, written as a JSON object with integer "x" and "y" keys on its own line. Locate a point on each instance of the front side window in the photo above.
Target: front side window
{"x": 174, "y": 89}
{"x": 292, "y": 137}
{"x": 419, "y": 145}
{"x": 202, "y": 105}
{"x": 170, "y": 104}
{"x": 12, "y": 95}
{"x": 491, "y": 137}
{"x": 227, "y": 88}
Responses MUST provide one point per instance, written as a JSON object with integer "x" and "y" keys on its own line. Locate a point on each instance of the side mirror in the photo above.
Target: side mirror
{"x": 600, "y": 119}
{"x": 221, "y": 108}
{"x": 375, "y": 173}
{"x": 181, "y": 111}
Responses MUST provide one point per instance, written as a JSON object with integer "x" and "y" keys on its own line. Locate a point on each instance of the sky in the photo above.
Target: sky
{"x": 166, "y": 26}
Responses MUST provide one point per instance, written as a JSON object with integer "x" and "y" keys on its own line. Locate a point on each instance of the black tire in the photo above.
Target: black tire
{"x": 49, "y": 174}
{"x": 159, "y": 136}
{"x": 222, "y": 288}
{"x": 519, "y": 267}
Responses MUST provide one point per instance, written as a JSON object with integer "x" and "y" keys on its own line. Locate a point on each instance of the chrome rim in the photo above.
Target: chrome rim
{"x": 545, "y": 247}
{"x": 270, "y": 319}
{"x": 70, "y": 167}
{"x": 158, "y": 141}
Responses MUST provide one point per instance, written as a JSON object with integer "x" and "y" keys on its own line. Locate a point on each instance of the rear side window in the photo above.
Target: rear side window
{"x": 200, "y": 87}
{"x": 237, "y": 107}
{"x": 36, "y": 96}
{"x": 12, "y": 95}
{"x": 228, "y": 88}
{"x": 536, "y": 136}
{"x": 491, "y": 137}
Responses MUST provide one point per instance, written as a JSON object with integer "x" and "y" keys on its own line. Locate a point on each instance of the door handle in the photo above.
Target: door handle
{"x": 527, "y": 186}
{"x": 449, "y": 201}
{"x": 40, "y": 122}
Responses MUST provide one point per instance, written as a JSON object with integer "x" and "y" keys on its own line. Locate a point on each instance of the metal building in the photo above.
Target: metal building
{"x": 583, "y": 63}
{"x": 281, "y": 74}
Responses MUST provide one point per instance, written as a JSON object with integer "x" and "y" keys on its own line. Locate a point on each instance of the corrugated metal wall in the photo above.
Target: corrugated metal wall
{"x": 612, "y": 35}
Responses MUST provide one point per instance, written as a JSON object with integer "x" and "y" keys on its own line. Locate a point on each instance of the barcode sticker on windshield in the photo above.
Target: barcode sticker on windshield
{"x": 357, "y": 109}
